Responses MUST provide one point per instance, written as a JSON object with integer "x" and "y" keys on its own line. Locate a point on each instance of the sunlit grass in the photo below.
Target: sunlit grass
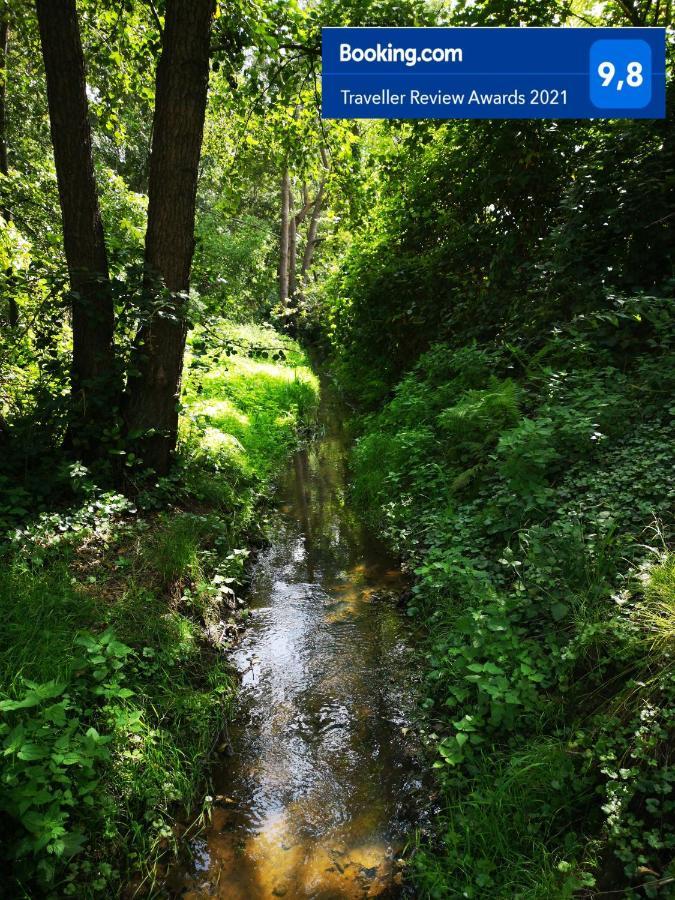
{"x": 657, "y": 613}
{"x": 248, "y": 408}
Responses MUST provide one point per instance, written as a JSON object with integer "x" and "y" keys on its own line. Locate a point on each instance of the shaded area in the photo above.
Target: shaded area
{"x": 319, "y": 793}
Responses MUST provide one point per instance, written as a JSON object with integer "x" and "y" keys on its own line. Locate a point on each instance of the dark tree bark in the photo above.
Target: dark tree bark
{"x": 92, "y": 375}
{"x": 635, "y": 16}
{"x": 5, "y": 212}
{"x": 180, "y": 106}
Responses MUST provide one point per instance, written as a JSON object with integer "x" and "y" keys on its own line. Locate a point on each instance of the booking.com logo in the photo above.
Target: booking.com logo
{"x": 410, "y": 56}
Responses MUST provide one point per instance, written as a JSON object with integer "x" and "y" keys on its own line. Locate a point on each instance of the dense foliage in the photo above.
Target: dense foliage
{"x": 115, "y": 619}
{"x": 532, "y": 496}
{"x": 495, "y": 301}
{"x": 530, "y": 223}
{"x": 503, "y": 322}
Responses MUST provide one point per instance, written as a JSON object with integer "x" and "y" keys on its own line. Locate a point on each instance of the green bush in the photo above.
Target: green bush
{"x": 113, "y": 680}
{"x": 521, "y": 504}
{"x": 53, "y": 756}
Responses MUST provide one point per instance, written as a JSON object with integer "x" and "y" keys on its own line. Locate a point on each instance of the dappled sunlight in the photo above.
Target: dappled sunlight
{"x": 283, "y": 420}
{"x": 276, "y": 862}
{"x": 245, "y": 412}
{"x": 258, "y": 368}
{"x": 220, "y": 411}
{"x": 222, "y": 442}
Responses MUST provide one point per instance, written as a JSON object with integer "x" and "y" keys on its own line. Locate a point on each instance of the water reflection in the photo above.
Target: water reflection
{"x": 316, "y": 798}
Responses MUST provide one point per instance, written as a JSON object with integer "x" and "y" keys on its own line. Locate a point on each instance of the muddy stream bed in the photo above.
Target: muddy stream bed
{"x": 318, "y": 795}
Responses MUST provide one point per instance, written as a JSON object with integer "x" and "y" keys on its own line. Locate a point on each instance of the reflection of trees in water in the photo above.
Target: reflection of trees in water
{"x": 317, "y": 491}
{"x": 303, "y": 497}
{"x": 321, "y": 771}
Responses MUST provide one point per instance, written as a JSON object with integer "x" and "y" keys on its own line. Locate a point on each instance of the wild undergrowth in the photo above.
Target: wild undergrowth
{"x": 531, "y": 492}
{"x": 116, "y": 617}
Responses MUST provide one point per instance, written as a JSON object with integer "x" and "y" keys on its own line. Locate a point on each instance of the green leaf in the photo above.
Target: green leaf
{"x": 559, "y": 610}
{"x": 31, "y": 751}
{"x": 34, "y": 696}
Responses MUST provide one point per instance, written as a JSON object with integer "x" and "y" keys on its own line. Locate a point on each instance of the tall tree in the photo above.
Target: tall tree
{"x": 292, "y": 248}
{"x": 180, "y": 106}
{"x": 288, "y": 246}
{"x": 92, "y": 374}
{"x": 296, "y": 222}
{"x": 312, "y": 231}
{"x": 285, "y": 238}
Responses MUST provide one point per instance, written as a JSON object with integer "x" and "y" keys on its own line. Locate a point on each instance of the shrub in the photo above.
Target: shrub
{"x": 521, "y": 505}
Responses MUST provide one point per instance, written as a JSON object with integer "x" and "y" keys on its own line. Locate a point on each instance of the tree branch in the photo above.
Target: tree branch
{"x": 155, "y": 15}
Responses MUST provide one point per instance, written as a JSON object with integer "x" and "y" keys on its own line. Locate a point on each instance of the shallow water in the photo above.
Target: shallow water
{"x": 318, "y": 794}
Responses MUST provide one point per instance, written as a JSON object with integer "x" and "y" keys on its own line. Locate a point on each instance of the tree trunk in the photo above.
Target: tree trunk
{"x": 5, "y": 212}
{"x": 93, "y": 383}
{"x": 292, "y": 251}
{"x": 311, "y": 233}
{"x": 284, "y": 239}
{"x": 296, "y": 222}
{"x": 180, "y": 106}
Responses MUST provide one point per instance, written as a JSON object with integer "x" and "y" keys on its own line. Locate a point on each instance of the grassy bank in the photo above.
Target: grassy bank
{"x": 115, "y": 623}
{"x": 532, "y": 494}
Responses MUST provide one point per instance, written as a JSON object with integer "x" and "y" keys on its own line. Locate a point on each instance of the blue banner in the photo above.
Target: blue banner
{"x": 493, "y": 73}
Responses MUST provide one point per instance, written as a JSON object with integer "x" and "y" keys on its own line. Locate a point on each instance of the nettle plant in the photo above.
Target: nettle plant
{"x": 54, "y": 741}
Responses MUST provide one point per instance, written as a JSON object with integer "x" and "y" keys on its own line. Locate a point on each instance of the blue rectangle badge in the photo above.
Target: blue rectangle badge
{"x": 493, "y": 73}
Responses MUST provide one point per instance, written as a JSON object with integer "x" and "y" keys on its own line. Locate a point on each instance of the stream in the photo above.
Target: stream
{"x": 319, "y": 792}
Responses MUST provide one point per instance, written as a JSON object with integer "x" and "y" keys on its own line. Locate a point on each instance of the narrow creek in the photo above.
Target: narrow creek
{"x": 319, "y": 792}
